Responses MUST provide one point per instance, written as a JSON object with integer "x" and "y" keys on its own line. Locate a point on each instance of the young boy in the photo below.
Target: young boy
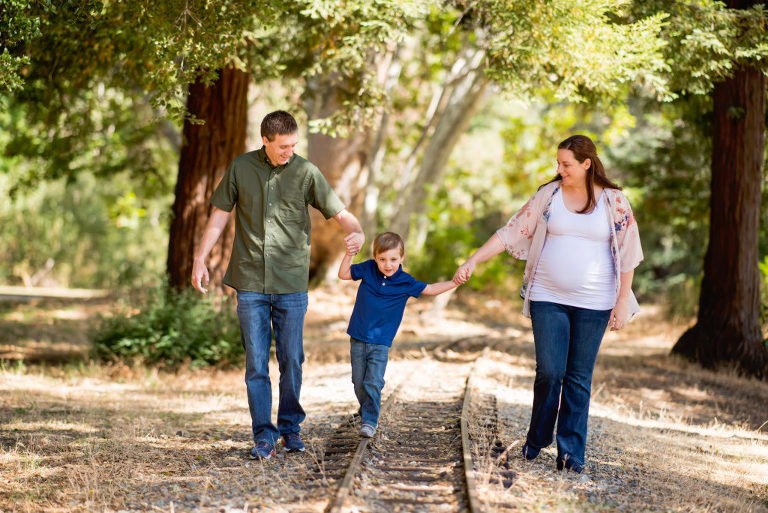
{"x": 378, "y": 310}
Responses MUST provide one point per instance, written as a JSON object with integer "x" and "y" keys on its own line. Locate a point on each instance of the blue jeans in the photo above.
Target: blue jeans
{"x": 259, "y": 315}
{"x": 369, "y": 362}
{"x": 567, "y": 339}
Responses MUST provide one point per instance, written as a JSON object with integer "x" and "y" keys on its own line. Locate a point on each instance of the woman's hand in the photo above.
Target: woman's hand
{"x": 464, "y": 272}
{"x": 619, "y": 314}
{"x": 491, "y": 248}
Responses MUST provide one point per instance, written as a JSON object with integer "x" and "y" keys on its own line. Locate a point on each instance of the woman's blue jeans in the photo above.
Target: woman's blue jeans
{"x": 567, "y": 339}
{"x": 369, "y": 362}
{"x": 259, "y": 315}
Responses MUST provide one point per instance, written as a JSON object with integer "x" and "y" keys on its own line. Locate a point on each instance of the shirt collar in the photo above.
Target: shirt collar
{"x": 381, "y": 274}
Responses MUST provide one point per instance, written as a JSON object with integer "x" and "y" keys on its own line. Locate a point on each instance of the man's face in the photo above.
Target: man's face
{"x": 281, "y": 148}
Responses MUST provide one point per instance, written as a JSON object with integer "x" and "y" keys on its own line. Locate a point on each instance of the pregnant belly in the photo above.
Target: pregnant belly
{"x": 572, "y": 265}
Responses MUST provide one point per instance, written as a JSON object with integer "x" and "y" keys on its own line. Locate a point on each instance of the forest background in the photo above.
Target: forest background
{"x": 433, "y": 119}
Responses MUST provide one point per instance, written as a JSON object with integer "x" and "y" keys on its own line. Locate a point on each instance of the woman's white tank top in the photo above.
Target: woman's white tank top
{"x": 575, "y": 267}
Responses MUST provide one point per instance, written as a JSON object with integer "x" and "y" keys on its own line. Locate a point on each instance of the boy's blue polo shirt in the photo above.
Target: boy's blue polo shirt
{"x": 380, "y": 302}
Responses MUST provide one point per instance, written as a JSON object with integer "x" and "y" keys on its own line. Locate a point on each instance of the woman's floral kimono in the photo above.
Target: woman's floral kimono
{"x": 526, "y": 231}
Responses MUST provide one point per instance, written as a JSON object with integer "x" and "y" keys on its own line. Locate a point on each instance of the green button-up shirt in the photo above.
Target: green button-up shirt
{"x": 270, "y": 253}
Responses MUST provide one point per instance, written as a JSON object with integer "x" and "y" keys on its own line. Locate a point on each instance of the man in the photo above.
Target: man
{"x": 269, "y": 268}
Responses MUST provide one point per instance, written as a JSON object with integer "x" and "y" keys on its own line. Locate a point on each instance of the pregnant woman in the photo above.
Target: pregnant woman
{"x": 581, "y": 243}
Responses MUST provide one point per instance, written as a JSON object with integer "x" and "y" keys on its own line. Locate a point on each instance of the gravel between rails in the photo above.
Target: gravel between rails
{"x": 415, "y": 460}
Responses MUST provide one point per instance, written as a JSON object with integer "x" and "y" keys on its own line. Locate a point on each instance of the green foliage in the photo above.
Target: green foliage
{"x": 81, "y": 231}
{"x": 763, "y": 266}
{"x": 455, "y": 232}
{"x": 706, "y": 41}
{"x": 103, "y": 132}
{"x": 15, "y": 26}
{"x": 160, "y": 46}
{"x": 578, "y": 50}
{"x": 101, "y": 227}
{"x": 666, "y": 162}
{"x": 172, "y": 328}
{"x": 100, "y": 77}
{"x": 86, "y": 233}
{"x": 163, "y": 46}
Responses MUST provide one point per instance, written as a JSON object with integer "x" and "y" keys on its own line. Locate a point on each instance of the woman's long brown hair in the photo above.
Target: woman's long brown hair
{"x": 583, "y": 148}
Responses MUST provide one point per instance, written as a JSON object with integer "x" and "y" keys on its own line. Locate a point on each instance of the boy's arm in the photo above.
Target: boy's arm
{"x": 345, "y": 272}
{"x": 433, "y": 289}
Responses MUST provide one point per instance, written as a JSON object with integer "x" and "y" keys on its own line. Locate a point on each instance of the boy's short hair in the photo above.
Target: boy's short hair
{"x": 386, "y": 241}
{"x": 278, "y": 123}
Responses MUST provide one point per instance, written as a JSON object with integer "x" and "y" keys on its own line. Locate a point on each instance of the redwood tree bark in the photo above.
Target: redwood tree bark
{"x": 207, "y": 149}
{"x": 728, "y": 326}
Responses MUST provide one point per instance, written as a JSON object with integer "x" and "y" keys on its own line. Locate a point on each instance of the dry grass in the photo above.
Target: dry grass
{"x": 664, "y": 435}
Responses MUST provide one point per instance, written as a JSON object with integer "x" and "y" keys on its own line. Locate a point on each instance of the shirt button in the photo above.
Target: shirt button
{"x": 383, "y": 284}
{"x": 269, "y": 220}
{"x": 270, "y": 204}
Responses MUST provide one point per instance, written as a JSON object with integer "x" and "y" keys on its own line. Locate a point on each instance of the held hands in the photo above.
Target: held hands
{"x": 200, "y": 276}
{"x": 354, "y": 242}
{"x": 619, "y": 315}
{"x": 464, "y": 272}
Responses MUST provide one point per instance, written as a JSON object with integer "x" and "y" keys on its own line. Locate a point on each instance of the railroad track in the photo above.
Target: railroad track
{"x": 422, "y": 456}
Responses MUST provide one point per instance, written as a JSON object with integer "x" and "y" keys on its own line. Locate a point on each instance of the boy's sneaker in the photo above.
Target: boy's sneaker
{"x": 367, "y": 431}
{"x": 293, "y": 443}
{"x": 263, "y": 450}
{"x": 529, "y": 452}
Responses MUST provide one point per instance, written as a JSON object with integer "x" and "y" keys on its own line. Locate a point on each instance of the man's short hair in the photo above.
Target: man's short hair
{"x": 386, "y": 241}
{"x": 278, "y": 122}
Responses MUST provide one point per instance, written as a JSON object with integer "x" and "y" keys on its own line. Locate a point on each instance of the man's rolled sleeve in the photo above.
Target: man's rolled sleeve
{"x": 322, "y": 196}
{"x": 225, "y": 195}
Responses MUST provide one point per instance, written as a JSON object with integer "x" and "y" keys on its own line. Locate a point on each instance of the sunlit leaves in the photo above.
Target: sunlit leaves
{"x": 577, "y": 50}
{"x": 16, "y": 25}
{"x": 706, "y": 41}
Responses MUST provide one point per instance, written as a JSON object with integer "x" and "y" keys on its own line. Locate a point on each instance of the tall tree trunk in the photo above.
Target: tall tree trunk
{"x": 344, "y": 163}
{"x": 728, "y": 326}
{"x": 207, "y": 149}
{"x": 452, "y": 122}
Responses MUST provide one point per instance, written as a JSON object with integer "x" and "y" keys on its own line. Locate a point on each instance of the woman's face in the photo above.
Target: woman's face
{"x": 573, "y": 172}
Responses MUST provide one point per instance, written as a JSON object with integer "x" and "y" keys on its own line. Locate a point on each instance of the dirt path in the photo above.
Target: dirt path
{"x": 664, "y": 435}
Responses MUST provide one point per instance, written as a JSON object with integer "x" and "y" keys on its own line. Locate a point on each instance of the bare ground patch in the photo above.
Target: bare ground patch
{"x": 664, "y": 434}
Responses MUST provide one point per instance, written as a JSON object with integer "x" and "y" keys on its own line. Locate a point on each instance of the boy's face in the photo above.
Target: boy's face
{"x": 389, "y": 261}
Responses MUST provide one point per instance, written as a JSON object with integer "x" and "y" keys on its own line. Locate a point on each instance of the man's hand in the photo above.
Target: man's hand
{"x": 200, "y": 275}
{"x": 216, "y": 224}
{"x": 354, "y": 242}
